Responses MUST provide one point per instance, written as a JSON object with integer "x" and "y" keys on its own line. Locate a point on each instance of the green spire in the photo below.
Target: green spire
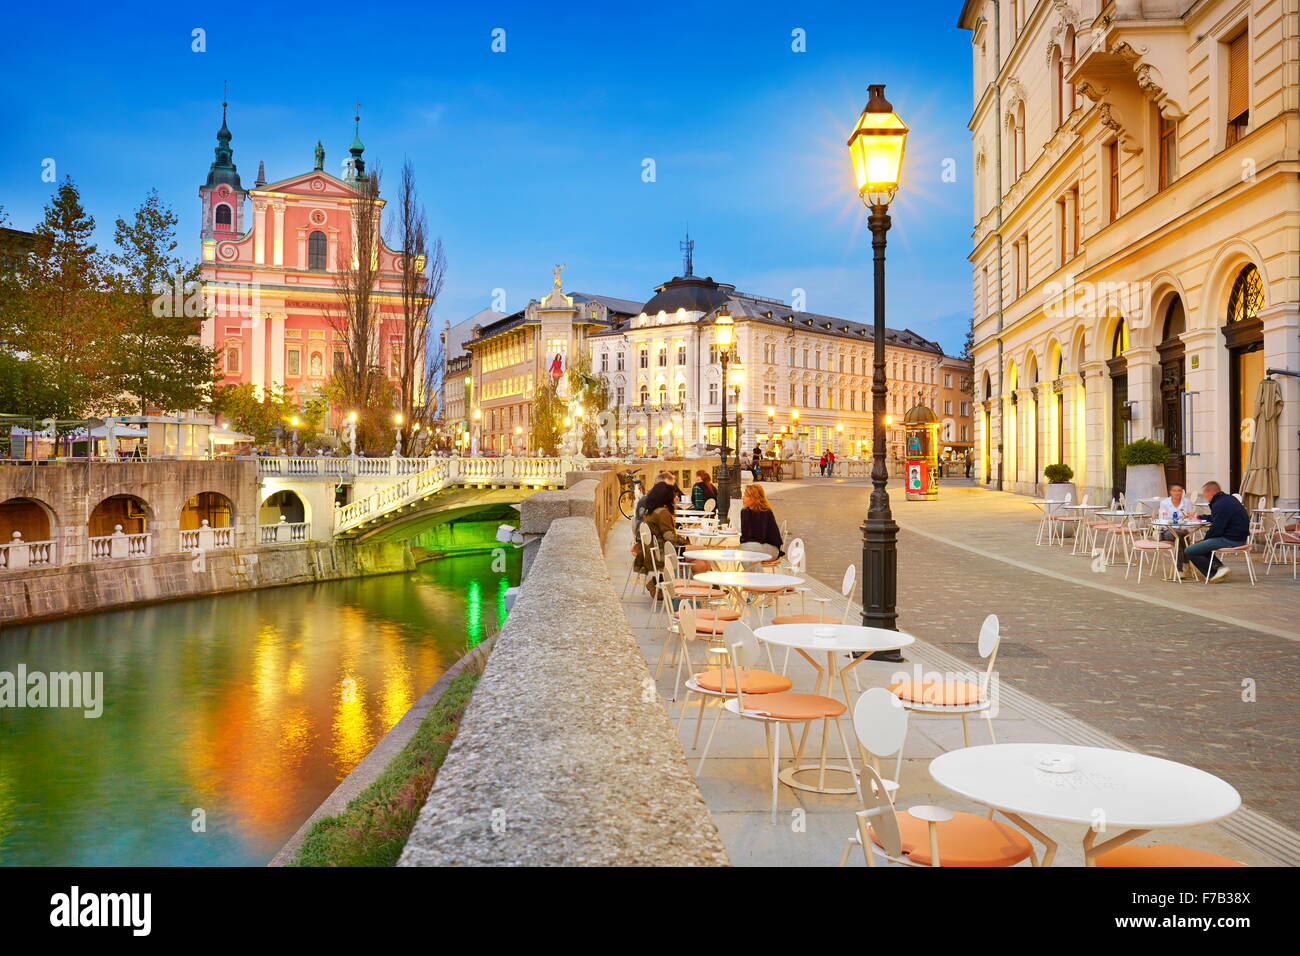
{"x": 223, "y": 168}
{"x": 357, "y": 165}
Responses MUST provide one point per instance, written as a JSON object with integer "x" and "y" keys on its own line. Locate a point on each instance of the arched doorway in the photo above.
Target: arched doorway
{"x": 1119, "y": 407}
{"x": 986, "y": 452}
{"x": 210, "y": 506}
{"x": 1243, "y": 333}
{"x": 284, "y": 504}
{"x": 1173, "y": 383}
{"x": 126, "y": 510}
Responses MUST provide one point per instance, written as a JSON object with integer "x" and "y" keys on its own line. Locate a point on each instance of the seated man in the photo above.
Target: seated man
{"x": 1229, "y": 528}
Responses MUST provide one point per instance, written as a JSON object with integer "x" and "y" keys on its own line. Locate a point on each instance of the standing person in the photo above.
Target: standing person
{"x": 970, "y": 460}
{"x": 758, "y": 529}
{"x": 823, "y": 464}
{"x": 1229, "y": 528}
{"x": 703, "y": 490}
{"x": 830, "y": 463}
{"x": 756, "y": 462}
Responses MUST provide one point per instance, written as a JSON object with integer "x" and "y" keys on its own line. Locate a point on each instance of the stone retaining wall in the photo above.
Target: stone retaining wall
{"x": 105, "y": 585}
{"x": 565, "y": 755}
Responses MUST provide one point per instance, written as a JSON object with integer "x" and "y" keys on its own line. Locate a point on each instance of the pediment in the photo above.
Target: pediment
{"x": 315, "y": 183}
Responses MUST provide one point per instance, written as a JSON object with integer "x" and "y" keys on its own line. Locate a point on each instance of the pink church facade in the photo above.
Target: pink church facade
{"x": 271, "y": 256}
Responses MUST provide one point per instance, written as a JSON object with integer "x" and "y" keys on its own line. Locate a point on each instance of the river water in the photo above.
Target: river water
{"x": 227, "y": 720}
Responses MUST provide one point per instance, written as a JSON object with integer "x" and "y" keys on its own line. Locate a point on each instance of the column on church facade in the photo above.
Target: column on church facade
{"x": 1143, "y": 389}
{"x": 1096, "y": 377}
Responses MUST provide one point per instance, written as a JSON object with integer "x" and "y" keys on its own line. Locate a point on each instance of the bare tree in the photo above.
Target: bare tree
{"x": 360, "y": 384}
{"x": 423, "y": 268}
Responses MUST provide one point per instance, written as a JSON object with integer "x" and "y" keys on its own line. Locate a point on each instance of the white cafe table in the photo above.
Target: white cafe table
{"x": 1106, "y": 791}
{"x": 718, "y": 556}
{"x": 737, "y": 581}
{"x": 829, "y": 639}
{"x": 708, "y": 537}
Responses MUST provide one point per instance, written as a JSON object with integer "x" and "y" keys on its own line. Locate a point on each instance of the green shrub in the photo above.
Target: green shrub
{"x": 1144, "y": 451}
{"x": 1058, "y": 474}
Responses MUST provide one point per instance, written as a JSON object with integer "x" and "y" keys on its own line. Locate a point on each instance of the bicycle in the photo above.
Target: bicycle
{"x": 631, "y": 493}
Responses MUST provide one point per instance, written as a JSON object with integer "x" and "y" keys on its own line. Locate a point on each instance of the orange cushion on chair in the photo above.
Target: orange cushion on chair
{"x": 699, "y": 567}
{"x": 1154, "y": 545}
{"x": 1161, "y": 855}
{"x": 716, "y": 614}
{"x": 948, "y": 694}
{"x": 965, "y": 840}
{"x": 796, "y": 706}
{"x": 805, "y": 619}
{"x": 752, "y": 681}
{"x": 697, "y": 591}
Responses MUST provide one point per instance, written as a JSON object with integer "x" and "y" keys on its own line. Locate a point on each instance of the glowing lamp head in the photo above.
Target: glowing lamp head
{"x": 478, "y": 413}
{"x": 397, "y": 419}
{"x": 794, "y": 413}
{"x": 352, "y": 416}
{"x": 876, "y": 149}
{"x": 724, "y": 329}
{"x": 736, "y": 374}
{"x": 295, "y": 422}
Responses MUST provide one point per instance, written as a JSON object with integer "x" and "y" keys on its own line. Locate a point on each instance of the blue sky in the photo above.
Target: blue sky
{"x": 532, "y": 156}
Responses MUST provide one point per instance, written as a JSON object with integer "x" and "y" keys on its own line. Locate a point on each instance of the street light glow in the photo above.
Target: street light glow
{"x": 876, "y": 149}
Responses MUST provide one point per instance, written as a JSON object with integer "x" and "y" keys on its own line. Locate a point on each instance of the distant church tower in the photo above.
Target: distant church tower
{"x": 222, "y": 195}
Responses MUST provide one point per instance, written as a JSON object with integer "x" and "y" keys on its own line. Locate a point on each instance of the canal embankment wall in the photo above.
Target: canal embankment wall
{"x": 565, "y": 755}
{"x": 39, "y": 594}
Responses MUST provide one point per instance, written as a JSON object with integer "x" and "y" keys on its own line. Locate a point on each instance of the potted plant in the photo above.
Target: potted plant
{"x": 1144, "y": 469}
{"x": 1059, "y": 482}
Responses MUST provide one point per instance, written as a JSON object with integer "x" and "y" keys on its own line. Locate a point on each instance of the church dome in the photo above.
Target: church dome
{"x": 690, "y": 293}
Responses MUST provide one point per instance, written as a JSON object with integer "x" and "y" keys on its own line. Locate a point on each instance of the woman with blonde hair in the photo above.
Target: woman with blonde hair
{"x": 758, "y": 529}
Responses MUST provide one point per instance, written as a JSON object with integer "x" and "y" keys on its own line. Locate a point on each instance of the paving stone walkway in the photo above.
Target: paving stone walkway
{"x": 1155, "y": 665}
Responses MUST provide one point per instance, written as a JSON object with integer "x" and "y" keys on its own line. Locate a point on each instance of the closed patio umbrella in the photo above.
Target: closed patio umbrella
{"x": 1261, "y": 480}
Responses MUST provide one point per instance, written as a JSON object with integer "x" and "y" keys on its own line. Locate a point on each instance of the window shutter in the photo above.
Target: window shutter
{"x": 1238, "y": 76}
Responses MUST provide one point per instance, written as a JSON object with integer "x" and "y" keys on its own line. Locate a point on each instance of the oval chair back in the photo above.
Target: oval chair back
{"x": 878, "y": 815}
{"x": 743, "y": 645}
{"x": 880, "y": 722}
{"x": 794, "y": 556}
{"x": 989, "y": 641}
{"x": 846, "y": 589}
{"x": 711, "y": 505}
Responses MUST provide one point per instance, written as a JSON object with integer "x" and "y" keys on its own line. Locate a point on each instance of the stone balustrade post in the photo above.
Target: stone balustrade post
{"x": 118, "y": 545}
{"x": 19, "y": 556}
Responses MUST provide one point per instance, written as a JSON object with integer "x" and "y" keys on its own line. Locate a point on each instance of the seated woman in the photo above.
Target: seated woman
{"x": 703, "y": 491}
{"x": 658, "y": 511}
{"x": 758, "y": 530}
{"x": 1176, "y": 503}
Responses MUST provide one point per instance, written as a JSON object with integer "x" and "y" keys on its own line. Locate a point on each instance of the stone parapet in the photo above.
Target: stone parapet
{"x": 565, "y": 756}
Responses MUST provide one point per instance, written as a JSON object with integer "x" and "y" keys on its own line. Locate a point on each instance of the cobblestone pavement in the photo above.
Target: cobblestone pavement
{"x": 1167, "y": 681}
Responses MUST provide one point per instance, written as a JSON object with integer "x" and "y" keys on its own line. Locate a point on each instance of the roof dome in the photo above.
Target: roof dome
{"x": 690, "y": 293}
{"x": 920, "y": 415}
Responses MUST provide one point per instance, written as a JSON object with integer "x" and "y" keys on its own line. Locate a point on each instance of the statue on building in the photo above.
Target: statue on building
{"x": 555, "y": 276}
{"x": 320, "y": 156}
{"x": 350, "y": 436}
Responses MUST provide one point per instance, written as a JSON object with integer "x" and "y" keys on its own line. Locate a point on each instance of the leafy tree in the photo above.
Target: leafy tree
{"x": 160, "y": 359}
{"x": 547, "y": 425}
{"x": 58, "y": 317}
{"x": 591, "y": 394}
{"x": 259, "y": 417}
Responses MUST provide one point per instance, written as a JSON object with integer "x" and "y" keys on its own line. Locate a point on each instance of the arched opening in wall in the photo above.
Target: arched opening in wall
{"x": 27, "y": 517}
{"x": 1010, "y": 434}
{"x": 1031, "y": 380}
{"x": 1056, "y": 368}
{"x": 210, "y": 506}
{"x": 1120, "y": 412}
{"x": 1243, "y": 333}
{"x": 282, "y": 504}
{"x": 1058, "y": 81}
{"x": 222, "y": 217}
{"x": 1173, "y": 385}
{"x": 130, "y": 512}
{"x": 316, "y": 247}
{"x": 986, "y": 449}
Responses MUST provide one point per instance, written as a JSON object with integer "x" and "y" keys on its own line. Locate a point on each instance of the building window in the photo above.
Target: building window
{"x": 947, "y": 407}
{"x": 965, "y": 408}
{"x": 643, "y": 357}
{"x": 663, "y": 395}
{"x": 1238, "y": 87}
{"x": 316, "y": 250}
{"x": 663, "y": 356}
{"x": 1167, "y": 154}
{"x": 1074, "y": 221}
{"x": 222, "y": 217}
{"x": 618, "y": 364}
{"x": 681, "y": 355}
{"x": 681, "y": 393}
{"x": 293, "y": 364}
{"x": 618, "y": 395}
{"x": 232, "y": 361}
{"x": 1247, "y": 296}
{"x": 1112, "y": 180}
{"x": 645, "y": 394}
{"x": 713, "y": 393}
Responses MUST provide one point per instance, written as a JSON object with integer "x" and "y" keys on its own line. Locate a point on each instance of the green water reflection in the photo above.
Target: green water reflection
{"x": 249, "y": 708}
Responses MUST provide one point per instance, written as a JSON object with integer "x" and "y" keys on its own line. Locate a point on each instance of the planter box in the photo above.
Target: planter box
{"x": 1058, "y": 490}
{"x": 1144, "y": 481}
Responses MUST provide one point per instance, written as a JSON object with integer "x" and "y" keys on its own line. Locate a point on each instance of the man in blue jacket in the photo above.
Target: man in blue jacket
{"x": 1229, "y": 528}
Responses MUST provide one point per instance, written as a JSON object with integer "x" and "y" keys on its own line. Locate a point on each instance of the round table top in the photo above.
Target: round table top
{"x": 1183, "y": 523}
{"x": 1118, "y": 514}
{"x": 847, "y": 637}
{"x": 748, "y": 579}
{"x": 691, "y": 513}
{"x": 1087, "y": 507}
{"x": 726, "y": 554}
{"x": 710, "y": 535}
{"x": 1131, "y": 790}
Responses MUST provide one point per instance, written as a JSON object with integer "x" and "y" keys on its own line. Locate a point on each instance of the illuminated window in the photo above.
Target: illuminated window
{"x": 316, "y": 250}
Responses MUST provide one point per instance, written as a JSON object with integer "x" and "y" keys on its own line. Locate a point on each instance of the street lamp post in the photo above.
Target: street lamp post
{"x": 876, "y": 149}
{"x": 724, "y": 327}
